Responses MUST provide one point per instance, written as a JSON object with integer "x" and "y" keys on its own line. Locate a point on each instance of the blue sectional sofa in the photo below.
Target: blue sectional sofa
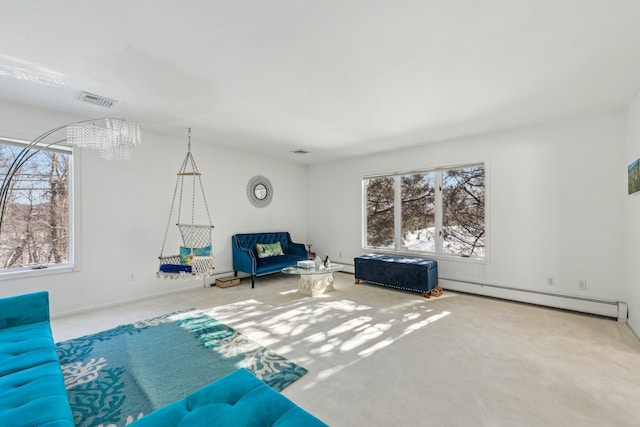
{"x": 32, "y": 391}
{"x": 246, "y": 259}
{"x": 239, "y": 400}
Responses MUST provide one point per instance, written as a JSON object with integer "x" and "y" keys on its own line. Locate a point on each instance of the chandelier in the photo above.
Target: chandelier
{"x": 115, "y": 141}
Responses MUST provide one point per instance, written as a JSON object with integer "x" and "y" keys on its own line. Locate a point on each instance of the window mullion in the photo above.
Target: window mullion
{"x": 397, "y": 213}
{"x": 438, "y": 212}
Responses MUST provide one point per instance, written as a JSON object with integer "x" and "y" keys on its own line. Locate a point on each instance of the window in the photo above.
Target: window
{"x": 36, "y": 226}
{"x": 439, "y": 212}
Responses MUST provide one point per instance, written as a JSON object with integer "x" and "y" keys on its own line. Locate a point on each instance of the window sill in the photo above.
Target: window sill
{"x": 30, "y": 272}
{"x": 425, "y": 255}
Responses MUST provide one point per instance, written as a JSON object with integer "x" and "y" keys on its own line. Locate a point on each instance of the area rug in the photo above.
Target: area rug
{"x": 117, "y": 376}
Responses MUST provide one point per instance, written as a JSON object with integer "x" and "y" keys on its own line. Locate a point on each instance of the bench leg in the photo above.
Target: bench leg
{"x": 253, "y": 280}
{"x": 357, "y": 281}
{"x": 427, "y": 295}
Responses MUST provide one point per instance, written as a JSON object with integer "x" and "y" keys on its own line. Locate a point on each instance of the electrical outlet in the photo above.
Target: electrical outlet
{"x": 132, "y": 277}
{"x": 550, "y": 281}
{"x": 582, "y": 285}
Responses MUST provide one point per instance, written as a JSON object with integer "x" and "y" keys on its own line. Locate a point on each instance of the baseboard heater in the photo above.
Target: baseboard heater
{"x": 601, "y": 307}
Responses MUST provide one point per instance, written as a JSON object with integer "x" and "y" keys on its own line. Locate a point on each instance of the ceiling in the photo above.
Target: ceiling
{"x": 335, "y": 78}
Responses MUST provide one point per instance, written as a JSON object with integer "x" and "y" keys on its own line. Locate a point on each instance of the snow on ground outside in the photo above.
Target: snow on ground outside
{"x": 424, "y": 241}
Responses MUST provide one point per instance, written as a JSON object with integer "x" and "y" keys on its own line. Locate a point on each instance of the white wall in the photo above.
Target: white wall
{"x": 554, "y": 200}
{"x": 556, "y": 197}
{"x": 124, "y": 208}
{"x": 632, "y": 219}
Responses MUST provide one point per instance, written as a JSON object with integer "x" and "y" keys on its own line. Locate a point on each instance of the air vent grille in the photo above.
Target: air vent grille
{"x": 98, "y": 100}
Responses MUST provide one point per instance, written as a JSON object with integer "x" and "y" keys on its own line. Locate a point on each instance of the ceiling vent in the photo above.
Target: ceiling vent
{"x": 300, "y": 152}
{"x": 98, "y": 100}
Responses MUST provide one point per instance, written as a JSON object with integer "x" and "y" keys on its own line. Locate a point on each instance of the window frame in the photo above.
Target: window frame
{"x": 438, "y": 254}
{"x": 72, "y": 264}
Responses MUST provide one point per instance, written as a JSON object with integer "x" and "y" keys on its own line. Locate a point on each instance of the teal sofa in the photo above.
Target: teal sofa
{"x": 245, "y": 254}
{"x": 239, "y": 399}
{"x": 32, "y": 391}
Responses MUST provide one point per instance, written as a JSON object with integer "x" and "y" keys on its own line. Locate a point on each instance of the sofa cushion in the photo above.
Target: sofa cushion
{"x": 26, "y": 346}
{"x": 175, "y": 268}
{"x": 276, "y": 263}
{"x": 238, "y": 399}
{"x": 32, "y": 390}
{"x": 266, "y": 250}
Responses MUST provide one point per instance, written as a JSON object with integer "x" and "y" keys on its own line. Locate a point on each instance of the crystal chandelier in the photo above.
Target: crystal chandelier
{"x": 115, "y": 141}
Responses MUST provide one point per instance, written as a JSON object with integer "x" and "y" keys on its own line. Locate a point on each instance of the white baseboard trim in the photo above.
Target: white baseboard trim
{"x": 601, "y": 307}
{"x": 211, "y": 280}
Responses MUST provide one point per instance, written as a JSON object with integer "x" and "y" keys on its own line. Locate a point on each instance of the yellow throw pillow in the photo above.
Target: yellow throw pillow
{"x": 266, "y": 250}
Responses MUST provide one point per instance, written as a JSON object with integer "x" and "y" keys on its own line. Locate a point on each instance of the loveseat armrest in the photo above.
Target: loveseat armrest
{"x": 243, "y": 258}
{"x": 24, "y": 309}
{"x": 298, "y": 249}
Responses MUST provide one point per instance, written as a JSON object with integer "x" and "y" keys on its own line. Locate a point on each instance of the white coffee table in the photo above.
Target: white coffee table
{"x": 314, "y": 282}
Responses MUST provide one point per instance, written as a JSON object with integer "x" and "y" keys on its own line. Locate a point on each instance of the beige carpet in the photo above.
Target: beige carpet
{"x": 381, "y": 357}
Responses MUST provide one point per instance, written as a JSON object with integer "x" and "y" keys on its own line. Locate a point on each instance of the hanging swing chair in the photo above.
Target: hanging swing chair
{"x": 195, "y": 260}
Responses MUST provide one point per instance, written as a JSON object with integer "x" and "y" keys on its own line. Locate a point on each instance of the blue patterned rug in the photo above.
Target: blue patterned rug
{"x": 116, "y": 376}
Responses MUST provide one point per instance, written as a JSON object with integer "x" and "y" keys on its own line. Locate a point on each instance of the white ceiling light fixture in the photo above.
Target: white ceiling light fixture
{"x": 300, "y": 151}
{"x": 115, "y": 141}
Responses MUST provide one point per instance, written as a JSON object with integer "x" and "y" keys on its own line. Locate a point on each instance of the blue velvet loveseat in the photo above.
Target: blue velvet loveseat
{"x": 32, "y": 391}
{"x": 247, "y": 260}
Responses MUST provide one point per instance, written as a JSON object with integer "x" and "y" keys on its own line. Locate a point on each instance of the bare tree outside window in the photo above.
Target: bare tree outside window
{"x": 463, "y": 231}
{"x": 380, "y": 206}
{"x": 456, "y": 196}
{"x": 35, "y": 228}
{"x": 418, "y": 211}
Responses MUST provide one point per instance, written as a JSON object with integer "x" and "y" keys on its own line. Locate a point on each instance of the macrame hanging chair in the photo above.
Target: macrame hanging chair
{"x": 195, "y": 260}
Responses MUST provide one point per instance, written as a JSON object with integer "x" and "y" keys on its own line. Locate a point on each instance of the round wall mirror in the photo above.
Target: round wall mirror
{"x": 259, "y": 191}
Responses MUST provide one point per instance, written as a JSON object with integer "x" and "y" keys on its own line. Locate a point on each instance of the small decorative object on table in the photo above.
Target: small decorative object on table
{"x": 312, "y": 255}
{"x": 307, "y": 264}
{"x": 326, "y": 262}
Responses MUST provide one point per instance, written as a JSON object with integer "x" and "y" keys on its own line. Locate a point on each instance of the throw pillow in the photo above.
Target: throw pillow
{"x": 187, "y": 254}
{"x": 269, "y": 249}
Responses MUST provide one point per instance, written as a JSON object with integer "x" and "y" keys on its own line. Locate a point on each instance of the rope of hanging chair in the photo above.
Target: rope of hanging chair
{"x": 193, "y": 198}
{"x": 204, "y": 197}
{"x": 180, "y": 183}
{"x": 166, "y": 230}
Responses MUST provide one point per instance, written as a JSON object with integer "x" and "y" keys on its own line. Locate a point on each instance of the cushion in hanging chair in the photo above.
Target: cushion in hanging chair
{"x": 187, "y": 253}
{"x": 175, "y": 268}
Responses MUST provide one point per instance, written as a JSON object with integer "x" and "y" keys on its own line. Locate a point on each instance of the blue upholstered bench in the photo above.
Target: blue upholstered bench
{"x": 239, "y": 400}
{"x": 410, "y": 274}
